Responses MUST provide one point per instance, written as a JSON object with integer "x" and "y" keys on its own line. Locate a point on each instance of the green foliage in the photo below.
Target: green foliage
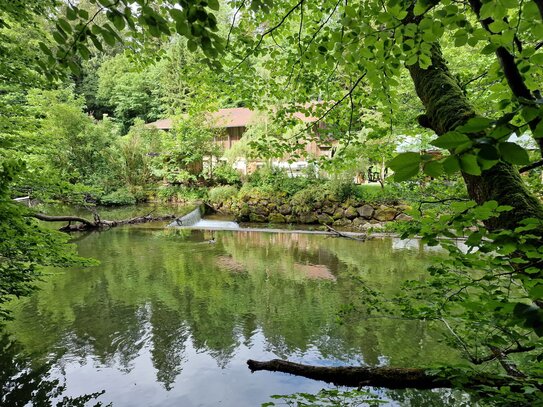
{"x": 224, "y": 173}
{"x": 222, "y": 194}
{"x": 272, "y": 179}
{"x": 128, "y": 93}
{"x": 187, "y": 151}
{"x": 329, "y": 397}
{"x": 119, "y": 197}
{"x": 25, "y": 247}
{"x": 179, "y": 193}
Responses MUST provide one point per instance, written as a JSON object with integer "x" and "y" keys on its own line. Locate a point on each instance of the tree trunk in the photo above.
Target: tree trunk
{"x": 447, "y": 108}
{"x": 388, "y": 377}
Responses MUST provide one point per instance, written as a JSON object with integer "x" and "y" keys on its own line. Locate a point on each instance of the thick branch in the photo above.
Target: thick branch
{"x": 531, "y": 166}
{"x": 84, "y": 224}
{"x": 389, "y": 377}
{"x": 48, "y": 218}
{"x": 510, "y": 69}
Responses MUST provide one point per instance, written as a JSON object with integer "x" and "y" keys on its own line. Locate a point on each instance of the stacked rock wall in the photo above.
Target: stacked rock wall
{"x": 348, "y": 214}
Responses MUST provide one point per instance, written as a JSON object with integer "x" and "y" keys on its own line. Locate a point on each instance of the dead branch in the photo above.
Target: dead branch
{"x": 345, "y": 235}
{"x": 388, "y": 377}
{"x": 82, "y": 224}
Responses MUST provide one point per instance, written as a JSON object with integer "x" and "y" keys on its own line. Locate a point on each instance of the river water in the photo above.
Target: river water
{"x": 170, "y": 317}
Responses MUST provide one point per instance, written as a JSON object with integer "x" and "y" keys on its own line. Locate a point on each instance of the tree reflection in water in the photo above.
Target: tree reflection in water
{"x": 162, "y": 301}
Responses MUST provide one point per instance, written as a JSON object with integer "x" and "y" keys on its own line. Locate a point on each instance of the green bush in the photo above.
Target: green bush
{"x": 224, "y": 174}
{"x": 179, "y": 193}
{"x": 119, "y": 197}
{"x": 221, "y": 194}
{"x": 277, "y": 180}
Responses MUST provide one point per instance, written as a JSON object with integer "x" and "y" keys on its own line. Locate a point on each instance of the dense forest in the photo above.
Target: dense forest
{"x": 80, "y": 81}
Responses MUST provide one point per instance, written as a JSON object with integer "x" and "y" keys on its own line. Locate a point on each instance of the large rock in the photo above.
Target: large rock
{"x": 342, "y": 222}
{"x": 385, "y": 214}
{"x": 350, "y": 213}
{"x": 291, "y": 218}
{"x": 359, "y": 223}
{"x": 260, "y": 210}
{"x": 308, "y": 218}
{"x": 254, "y": 217}
{"x": 366, "y": 211}
{"x": 285, "y": 209}
{"x": 276, "y": 218}
{"x": 338, "y": 214}
{"x": 329, "y": 209}
{"x": 325, "y": 219}
{"x": 403, "y": 217}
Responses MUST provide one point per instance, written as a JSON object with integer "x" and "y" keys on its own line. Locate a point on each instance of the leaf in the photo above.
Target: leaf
{"x": 475, "y": 125}
{"x": 59, "y": 38}
{"x": 192, "y": 46}
{"x": 451, "y": 164}
{"x": 405, "y": 165}
{"x": 469, "y": 164}
{"x": 450, "y": 140}
{"x": 66, "y": 26}
{"x": 71, "y": 13}
{"x": 213, "y": 4}
{"x": 46, "y": 50}
{"x": 513, "y": 153}
{"x": 433, "y": 169}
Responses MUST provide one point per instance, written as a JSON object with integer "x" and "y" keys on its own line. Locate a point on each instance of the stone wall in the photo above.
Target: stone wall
{"x": 349, "y": 214}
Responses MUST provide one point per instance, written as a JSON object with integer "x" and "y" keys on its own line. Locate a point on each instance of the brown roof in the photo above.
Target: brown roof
{"x": 232, "y": 117}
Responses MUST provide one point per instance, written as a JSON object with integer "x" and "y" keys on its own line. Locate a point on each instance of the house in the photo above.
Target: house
{"x": 235, "y": 122}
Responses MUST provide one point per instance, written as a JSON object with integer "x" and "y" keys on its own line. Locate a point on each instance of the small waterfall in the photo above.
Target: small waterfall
{"x": 190, "y": 219}
{"x": 194, "y": 220}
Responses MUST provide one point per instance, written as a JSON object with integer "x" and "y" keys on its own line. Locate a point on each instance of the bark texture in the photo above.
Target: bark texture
{"x": 447, "y": 108}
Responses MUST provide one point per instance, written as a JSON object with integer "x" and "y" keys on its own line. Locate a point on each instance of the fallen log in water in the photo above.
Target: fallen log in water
{"x": 82, "y": 224}
{"x": 388, "y": 377}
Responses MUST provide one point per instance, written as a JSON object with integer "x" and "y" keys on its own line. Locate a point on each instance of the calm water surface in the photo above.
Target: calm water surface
{"x": 169, "y": 319}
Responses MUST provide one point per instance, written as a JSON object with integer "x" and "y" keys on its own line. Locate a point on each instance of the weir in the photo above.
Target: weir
{"x": 194, "y": 220}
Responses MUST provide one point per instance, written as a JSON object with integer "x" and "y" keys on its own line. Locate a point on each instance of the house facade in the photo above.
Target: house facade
{"x": 235, "y": 121}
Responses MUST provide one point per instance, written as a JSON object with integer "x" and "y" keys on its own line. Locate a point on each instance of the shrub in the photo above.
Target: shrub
{"x": 277, "y": 180}
{"x": 179, "y": 193}
{"x": 221, "y": 194}
{"x": 224, "y": 174}
{"x": 119, "y": 197}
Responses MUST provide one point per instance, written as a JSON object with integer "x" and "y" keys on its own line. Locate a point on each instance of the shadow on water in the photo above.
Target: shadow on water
{"x": 170, "y": 317}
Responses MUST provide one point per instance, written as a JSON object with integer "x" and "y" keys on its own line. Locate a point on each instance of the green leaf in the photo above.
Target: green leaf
{"x": 66, "y": 26}
{"x": 59, "y": 38}
{"x": 71, "y": 13}
{"x": 433, "y": 169}
{"x": 213, "y": 4}
{"x": 469, "y": 164}
{"x": 46, "y": 50}
{"x": 475, "y": 125}
{"x": 513, "y": 153}
{"x": 118, "y": 22}
{"x": 450, "y": 140}
{"x": 538, "y": 132}
{"x": 405, "y": 165}
{"x": 192, "y": 46}
{"x": 451, "y": 164}
{"x": 108, "y": 38}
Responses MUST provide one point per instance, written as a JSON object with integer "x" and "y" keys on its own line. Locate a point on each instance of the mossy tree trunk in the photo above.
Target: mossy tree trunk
{"x": 447, "y": 108}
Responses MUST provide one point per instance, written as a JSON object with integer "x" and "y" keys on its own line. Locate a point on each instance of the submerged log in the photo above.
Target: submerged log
{"x": 388, "y": 377}
{"x": 82, "y": 224}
